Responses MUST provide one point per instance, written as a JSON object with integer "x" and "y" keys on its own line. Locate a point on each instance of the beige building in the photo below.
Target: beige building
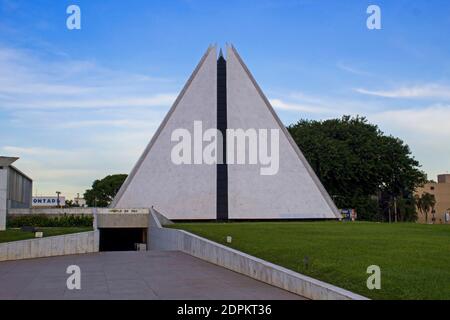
{"x": 441, "y": 191}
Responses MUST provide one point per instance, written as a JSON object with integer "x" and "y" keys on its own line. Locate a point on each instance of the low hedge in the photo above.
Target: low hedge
{"x": 42, "y": 220}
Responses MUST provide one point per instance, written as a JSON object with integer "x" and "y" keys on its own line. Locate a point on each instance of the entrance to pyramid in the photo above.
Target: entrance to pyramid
{"x": 123, "y": 239}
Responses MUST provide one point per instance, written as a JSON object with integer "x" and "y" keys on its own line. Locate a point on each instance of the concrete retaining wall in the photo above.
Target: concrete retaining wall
{"x": 75, "y": 243}
{"x": 51, "y": 211}
{"x": 171, "y": 239}
{"x": 129, "y": 220}
{"x": 55, "y": 212}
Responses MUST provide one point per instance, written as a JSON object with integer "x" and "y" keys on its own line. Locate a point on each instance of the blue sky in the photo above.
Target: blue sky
{"x": 77, "y": 105}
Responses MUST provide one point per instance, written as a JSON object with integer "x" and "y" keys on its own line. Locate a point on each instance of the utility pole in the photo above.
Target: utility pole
{"x": 57, "y": 200}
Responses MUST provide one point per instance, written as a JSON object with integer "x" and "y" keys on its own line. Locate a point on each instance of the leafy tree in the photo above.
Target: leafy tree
{"x": 71, "y": 204}
{"x": 425, "y": 203}
{"x": 407, "y": 209}
{"x": 103, "y": 191}
{"x": 359, "y": 166}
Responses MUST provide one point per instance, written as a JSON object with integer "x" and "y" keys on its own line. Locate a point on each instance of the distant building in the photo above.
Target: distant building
{"x": 15, "y": 188}
{"x": 81, "y": 202}
{"x": 441, "y": 191}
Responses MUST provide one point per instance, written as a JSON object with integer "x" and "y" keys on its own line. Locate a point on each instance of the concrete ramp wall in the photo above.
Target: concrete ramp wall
{"x": 75, "y": 243}
{"x": 172, "y": 239}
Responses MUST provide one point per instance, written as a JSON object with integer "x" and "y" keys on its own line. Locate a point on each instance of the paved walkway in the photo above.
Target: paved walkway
{"x": 130, "y": 275}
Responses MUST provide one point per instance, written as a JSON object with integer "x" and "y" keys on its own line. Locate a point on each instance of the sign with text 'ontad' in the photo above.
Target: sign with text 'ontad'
{"x": 48, "y": 201}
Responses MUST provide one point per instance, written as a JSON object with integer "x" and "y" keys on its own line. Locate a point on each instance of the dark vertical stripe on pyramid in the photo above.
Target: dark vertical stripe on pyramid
{"x": 222, "y": 169}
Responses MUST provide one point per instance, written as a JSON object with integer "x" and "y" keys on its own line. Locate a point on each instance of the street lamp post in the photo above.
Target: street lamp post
{"x": 57, "y": 200}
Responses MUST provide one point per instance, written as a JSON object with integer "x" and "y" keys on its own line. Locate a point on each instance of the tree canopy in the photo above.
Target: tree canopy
{"x": 103, "y": 191}
{"x": 359, "y": 165}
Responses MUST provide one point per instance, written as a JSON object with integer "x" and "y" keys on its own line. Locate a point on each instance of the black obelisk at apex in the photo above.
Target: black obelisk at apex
{"x": 222, "y": 169}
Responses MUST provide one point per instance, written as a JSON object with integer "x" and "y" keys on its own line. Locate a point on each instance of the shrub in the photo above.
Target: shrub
{"x": 42, "y": 220}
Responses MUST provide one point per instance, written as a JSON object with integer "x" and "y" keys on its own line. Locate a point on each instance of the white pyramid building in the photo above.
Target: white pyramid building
{"x": 222, "y": 94}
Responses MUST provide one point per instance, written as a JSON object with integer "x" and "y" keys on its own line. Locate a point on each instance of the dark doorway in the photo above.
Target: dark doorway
{"x": 121, "y": 239}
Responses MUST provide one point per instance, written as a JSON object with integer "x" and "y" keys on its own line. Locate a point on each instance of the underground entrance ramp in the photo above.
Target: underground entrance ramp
{"x": 121, "y": 239}
{"x": 131, "y": 275}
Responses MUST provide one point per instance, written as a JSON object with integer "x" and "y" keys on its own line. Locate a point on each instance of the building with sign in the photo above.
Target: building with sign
{"x": 48, "y": 202}
{"x": 441, "y": 192}
{"x": 15, "y": 188}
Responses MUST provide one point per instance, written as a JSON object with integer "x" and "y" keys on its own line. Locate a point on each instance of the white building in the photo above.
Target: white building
{"x": 15, "y": 188}
{"x": 81, "y": 202}
{"x": 221, "y": 94}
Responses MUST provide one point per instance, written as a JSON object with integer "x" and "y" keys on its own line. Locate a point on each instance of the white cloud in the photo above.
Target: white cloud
{"x": 72, "y": 171}
{"x": 434, "y": 91}
{"x": 29, "y": 82}
{"x": 322, "y": 105}
{"x": 74, "y": 121}
{"x": 156, "y": 100}
{"x": 425, "y": 130}
{"x": 124, "y": 123}
{"x": 33, "y": 151}
{"x": 283, "y": 105}
{"x": 352, "y": 70}
{"x": 429, "y": 121}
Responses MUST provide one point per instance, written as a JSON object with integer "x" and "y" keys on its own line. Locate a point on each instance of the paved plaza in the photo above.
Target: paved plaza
{"x": 130, "y": 275}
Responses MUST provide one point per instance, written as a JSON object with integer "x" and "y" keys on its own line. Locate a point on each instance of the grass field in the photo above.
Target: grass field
{"x": 414, "y": 258}
{"x": 17, "y": 234}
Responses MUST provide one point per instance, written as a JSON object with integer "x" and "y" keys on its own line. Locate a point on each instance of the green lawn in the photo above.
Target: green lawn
{"x": 16, "y": 234}
{"x": 414, "y": 258}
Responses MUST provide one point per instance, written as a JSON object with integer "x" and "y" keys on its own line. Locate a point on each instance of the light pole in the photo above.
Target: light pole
{"x": 57, "y": 199}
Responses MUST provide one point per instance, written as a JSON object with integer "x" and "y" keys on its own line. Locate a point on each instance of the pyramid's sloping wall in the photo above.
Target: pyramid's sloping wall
{"x": 178, "y": 191}
{"x": 294, "y": 192}
{"x": 190, "y": 191}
